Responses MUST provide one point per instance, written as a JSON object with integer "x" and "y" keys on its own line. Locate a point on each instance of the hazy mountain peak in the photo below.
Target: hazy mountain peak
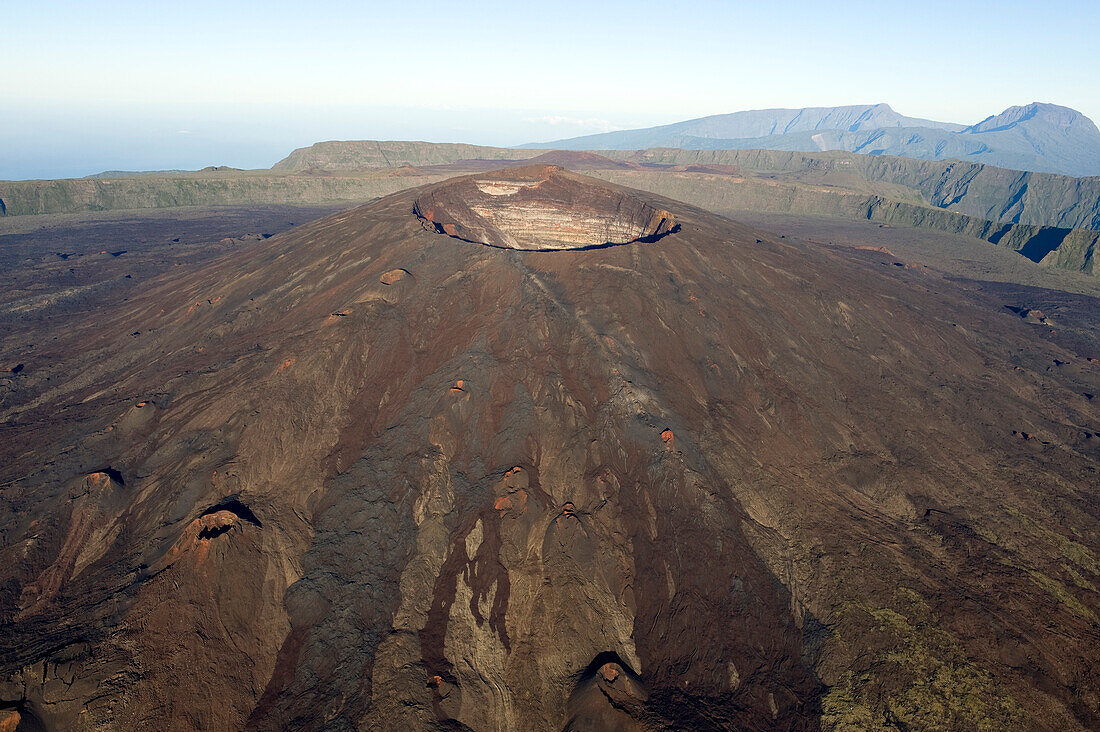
{"x": 764, "y": 122}
{"x": 1038, "y": 112}
{"x": 1037, "y": 137}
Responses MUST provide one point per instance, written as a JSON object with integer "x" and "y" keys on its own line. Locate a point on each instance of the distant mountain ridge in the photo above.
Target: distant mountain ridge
{"x": 335, "y": 155}
{"x": 1035, "y": 137}
{"x": 762, "y": 123}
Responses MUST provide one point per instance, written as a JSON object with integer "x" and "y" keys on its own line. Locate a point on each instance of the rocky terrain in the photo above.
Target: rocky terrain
{"x": 1034, "y": 137}
{"x": 55, "y": 268}
{"x": 952, "y": 255}
{"x": 367, "y": 474}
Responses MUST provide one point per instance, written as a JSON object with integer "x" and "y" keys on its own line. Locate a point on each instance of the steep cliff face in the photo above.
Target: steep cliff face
{"x": 369, "y": 475}
{"x": 1069, "y": 249}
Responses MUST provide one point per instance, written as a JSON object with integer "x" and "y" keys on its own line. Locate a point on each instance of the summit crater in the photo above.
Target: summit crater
{"x": 540, "y": 208}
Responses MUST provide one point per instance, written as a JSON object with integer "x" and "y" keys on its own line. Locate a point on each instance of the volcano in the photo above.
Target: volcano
{"x": 526, "y": 450}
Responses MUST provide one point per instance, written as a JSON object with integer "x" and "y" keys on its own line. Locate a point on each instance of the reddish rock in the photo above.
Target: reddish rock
{"x": 393, "y": 276}
{"x": 98, "y": 480}
{"x": 9, "y": 720}
{"x": 515, "y": 501}
{"x": 213, "y": 523}
{"x": 333, "y": 317}
{"x": 666, "y": 436}
{"x": 880, "y": 250}
{"x": 610, "y": 672}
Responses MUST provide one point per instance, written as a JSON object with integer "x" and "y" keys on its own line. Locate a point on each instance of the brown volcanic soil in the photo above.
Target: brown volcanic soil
{"x": 52, "y": 261}
{"x": 364, "y": 475}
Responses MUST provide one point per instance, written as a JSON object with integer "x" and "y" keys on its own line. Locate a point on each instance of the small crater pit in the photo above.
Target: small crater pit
{"x": 607, "y": 695}
{"x": 112, "y": 474}
{"x": 540, "y": 208}
{"x": 235, "y": 508}
{"x": 215, "y": 525}
{"x": 223, "y": 518}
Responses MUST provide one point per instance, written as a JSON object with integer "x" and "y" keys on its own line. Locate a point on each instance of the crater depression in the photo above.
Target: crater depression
{"x": 539, "y": 208}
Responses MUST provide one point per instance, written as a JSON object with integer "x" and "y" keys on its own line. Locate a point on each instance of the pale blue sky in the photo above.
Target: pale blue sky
{"x": 89, "y": 86}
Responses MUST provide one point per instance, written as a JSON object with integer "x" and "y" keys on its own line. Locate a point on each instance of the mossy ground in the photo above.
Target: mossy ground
{"x": 918, "y": 678}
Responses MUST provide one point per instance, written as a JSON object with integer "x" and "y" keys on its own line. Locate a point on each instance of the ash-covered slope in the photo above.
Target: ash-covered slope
{"x": 373, "y": 476}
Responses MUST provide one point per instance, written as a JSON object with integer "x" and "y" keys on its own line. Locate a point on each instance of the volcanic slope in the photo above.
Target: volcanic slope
{"x": 368, "y": 475}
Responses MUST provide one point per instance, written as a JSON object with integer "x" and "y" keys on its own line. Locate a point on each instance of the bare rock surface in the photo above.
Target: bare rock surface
{"x": 363, "y": 475}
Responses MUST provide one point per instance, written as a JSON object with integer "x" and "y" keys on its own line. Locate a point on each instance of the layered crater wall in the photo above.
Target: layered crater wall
{"x": 539, "y": 208}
